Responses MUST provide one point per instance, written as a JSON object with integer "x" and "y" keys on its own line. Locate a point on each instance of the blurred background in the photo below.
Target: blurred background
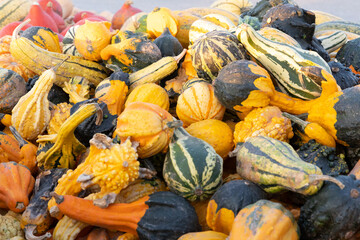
{"x": 346, "y": 9}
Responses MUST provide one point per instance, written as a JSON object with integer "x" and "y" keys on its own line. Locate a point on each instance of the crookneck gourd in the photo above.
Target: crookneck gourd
{"x": 109, "y": 165}
{"x": 36, "y": 218}
{"x": 149, "y": 125}
{"x": 266, "y": 121}
{"x": 243, "y": 85}
{"x": 16, "y": 183}
{"x": 31, "y": 114}
{"x": 294, "y": 69}
{"x": 173, "y": 215}
{"x": 275, "y": 166}
{"x": 192, "y": 168}
{"x": 264, "y": 220}
{"x": 333, "y": 212}
{"x": 228, "y": 200}
{"x": 61, "y": 150}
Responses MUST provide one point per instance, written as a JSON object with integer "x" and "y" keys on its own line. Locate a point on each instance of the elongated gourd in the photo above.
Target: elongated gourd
{"x": 31, "y": 114}
{"x": 38, "y": 60}
{"x": 292, "y": 67}
{"x": 275, "y": 166}
{"x": 156, "y": 71}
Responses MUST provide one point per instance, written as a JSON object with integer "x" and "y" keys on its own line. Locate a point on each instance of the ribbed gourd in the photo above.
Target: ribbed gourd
{"x": 199, "y": 103}
{"x": 213, "y": 51}
{"x": 31, "y": 114}
{"x": 192, "y": 168}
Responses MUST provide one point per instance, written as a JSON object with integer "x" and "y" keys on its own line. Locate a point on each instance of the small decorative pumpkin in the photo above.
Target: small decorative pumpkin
{"x": 224, "y": 49}
{"x": 215, "y": 132}
{"x": 16, "y": 183}
{"x": 174, "y": 215}
{"x": 121, "y": 15}
{"x": 228, "y": 200}
{"x": 91, "y": 38}
{"x": 191, "y": 82}
{"x": 236, "y": 7}
{"x": 131, "y": 54}
{"x": 150, "y": 93}
{"x": 149, "y": 125}
{"x": 12, "y": 88}
{"x": 111, "y": 166}
{"x": 272, "y": 221}
{"x": 267, "y": 121}
{"x": 199, "y": 103}
{"x": 206, "y": 235}
{"x": 159, "y": 19}
{"x": 185, "y": 20}
{"x": 168, "y": 44}
{"x": 43, "y": 37}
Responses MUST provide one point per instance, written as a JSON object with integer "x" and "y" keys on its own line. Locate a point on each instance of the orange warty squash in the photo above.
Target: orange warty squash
{"x": 91, "y": 38}
{"x": 149, "y": 125}
{"x": 199, "y": 103}
{"x": 16, "y": 183}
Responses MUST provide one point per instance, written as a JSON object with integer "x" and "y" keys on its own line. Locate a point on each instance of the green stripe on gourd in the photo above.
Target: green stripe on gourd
{"x": 68, "y": 42}
{"x": 13, "y": 10}
{"x": 333, "y": 41}
{"x": 289, "y": 65}
{"x": 339, "y": 25}
{"x": 192, "y": 168}
{"x": 275, "y": 166}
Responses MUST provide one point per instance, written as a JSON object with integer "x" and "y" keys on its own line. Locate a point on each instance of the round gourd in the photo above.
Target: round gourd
{"x": 43, "y": 37}
{"x": 12, "y": 88}
{"x": 168, "y": 44}
{"x": 215, "y": 132}
{"x": 159, "y": 19}
{"x": 199, "y": 103}
{"x": 264, "y": 220}
{"x": 191, "y": 82}
{"x": 209, "y": 23}
{"x": 68, "y": 42}
{"x": 228, "y": 200}
{"x": 234, "y": 6}
{"x": 345, "y": 78}
{"x": 150, "y": 93}
{"x": 214, "y": 50}
{"x": 205, "y": 235}
{"x": 185, "y": 20}
{"x": 349, "y": 55}
{"x": 91, "y": 38}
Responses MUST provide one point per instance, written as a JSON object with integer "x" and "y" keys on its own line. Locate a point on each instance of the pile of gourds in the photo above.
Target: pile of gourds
{"x": 236, "y": 121}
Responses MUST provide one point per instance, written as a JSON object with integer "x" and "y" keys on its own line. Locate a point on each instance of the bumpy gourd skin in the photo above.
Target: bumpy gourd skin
{"x": 266, "y": 121}
{"x": 333, "y": 213}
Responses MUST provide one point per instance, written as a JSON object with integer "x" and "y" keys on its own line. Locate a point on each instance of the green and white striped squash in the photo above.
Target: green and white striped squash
{"x": 333, "y": 41}
{"x": 13, "y": 10}
{"x": 192, "y": 168}
{"x": 209, "y": 23}
{"x": 293, "y": 68}
{"x": 275, "y": 166}
{"x": 68, "y": 42}
{"x": 213, "y": 51}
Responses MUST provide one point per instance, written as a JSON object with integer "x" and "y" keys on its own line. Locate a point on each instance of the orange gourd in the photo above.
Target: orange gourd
{"x": 123, "y": 14}
{"x": 206, "y": 235}
{"x": 16, "y": 183}
{"x": 40, "y": 18}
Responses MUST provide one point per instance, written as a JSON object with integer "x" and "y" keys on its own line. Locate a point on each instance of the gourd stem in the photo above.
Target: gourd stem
{"x": 174, "y": 124}
{"x": 296, "y": 120}
{"x": 314, "y": 178}
{"x": 180, "y": 56}
{"x": 18, "y": 137}
{"x": 234, "y": 152}
{"x": 55, "y": 68}
{"x": 58, "y": 198}
{"x": 16, "y": 31}
{"x": 29, "y": 233}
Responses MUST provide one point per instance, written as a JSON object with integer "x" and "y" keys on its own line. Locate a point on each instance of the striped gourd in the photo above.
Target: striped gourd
{"x": 333, "y": 41}
{"x": 213, "y": 51}
{"x": 209, "y": 23}
{"x": 276, "y": 35}
{"x": 322, "y": 17}
{"x": 275, "y": 166}
{"x": 235, "y": 6}
{"x": 68, "y": 42}
{"x": 13, "y": 10}
{"x": 192, "y": 168}
{"x": 191, "y": 82}
{"x": 338, "y": 25}
{"x": 293, "y": 68}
